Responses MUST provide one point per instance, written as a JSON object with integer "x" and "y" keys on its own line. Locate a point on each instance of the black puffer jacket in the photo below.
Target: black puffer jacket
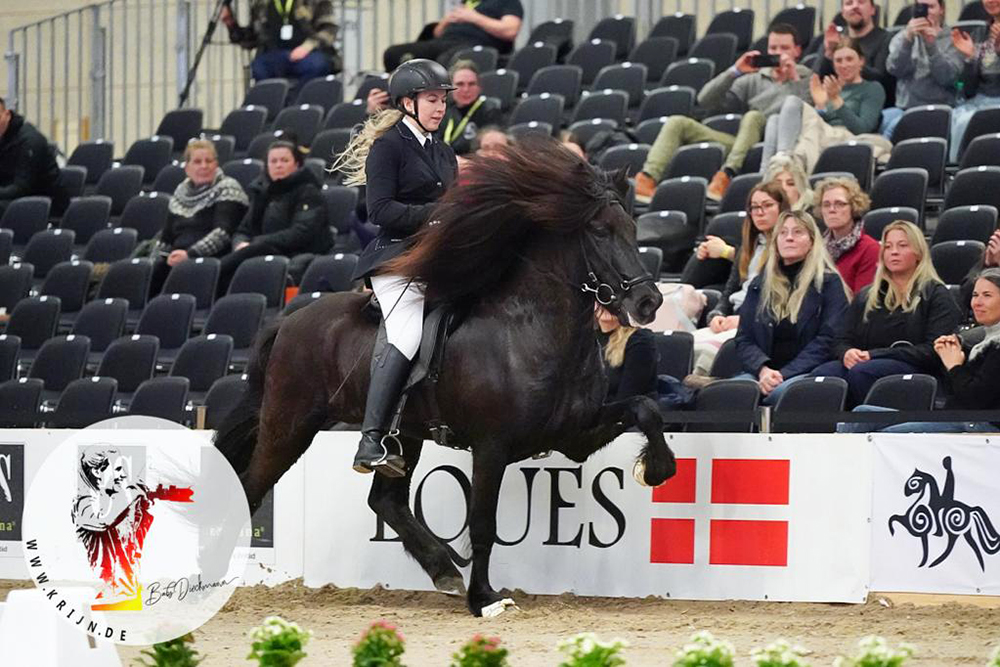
{"x": 289, "y": 214}
{"x": 27, "y": 163}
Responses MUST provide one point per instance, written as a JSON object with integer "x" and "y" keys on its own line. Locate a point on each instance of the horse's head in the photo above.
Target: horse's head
{"x": 916, "y": 482}
{"x": 615, "y": 274}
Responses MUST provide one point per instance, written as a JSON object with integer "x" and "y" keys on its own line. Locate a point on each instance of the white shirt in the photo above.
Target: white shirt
{"x": 417, "y": 132}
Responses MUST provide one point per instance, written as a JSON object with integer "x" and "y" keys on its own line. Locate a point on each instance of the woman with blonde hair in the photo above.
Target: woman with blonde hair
{"x": 788, "y": 173}
{"x": 841, "y": 204}
{"x": 406, "y": 170}
{"x": 792, "y": 310}
{"x": 891, "y": 326}
{"x": 630, "y": 357}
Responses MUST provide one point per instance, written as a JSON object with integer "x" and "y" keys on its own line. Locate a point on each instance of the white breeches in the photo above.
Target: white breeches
{"x": 402, "y": 303}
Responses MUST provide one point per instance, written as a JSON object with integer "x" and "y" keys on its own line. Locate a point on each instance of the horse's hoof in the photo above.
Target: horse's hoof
{"x": 497, "y": 608}
{"x": 639, "y": 472}
{"x": 451, "y": 585}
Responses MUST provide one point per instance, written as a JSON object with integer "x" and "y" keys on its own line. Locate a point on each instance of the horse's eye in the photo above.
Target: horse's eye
{"x": 601, "y": 231}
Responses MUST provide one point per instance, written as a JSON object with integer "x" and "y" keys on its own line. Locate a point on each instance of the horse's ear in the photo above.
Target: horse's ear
{"x": 619, "y": 179}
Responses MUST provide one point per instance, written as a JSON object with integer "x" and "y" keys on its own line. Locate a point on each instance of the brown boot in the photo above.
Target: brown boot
{"x": 718, "y": 186}
{"x": 645, "y": 186}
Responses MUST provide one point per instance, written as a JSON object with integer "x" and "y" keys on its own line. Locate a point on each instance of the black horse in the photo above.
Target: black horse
{"x": 522, "y": 247}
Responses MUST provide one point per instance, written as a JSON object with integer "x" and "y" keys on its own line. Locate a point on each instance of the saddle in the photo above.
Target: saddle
{"x": 440, "y": 322}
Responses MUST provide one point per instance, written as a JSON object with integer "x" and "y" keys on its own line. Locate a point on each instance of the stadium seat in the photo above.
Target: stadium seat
{"x": 15, "y": 284}
{"x": 121, "y": 184}
{"x": 484, "y": 57}
{"x": 901, "y": 187}
{"x": 95, "y": 156}
{"x": 727, "y": 396}
{"x": 720, "y": 48}
{"x": 34, "y": 320}
{"x": 983, "y": 121}
{"x": 130, "y": 360}
{"x": 341, "y": 202}
{"x": 671, "y": 233}
{"x": 751, "y": 165}
{"x": 224, "y": 395}
{"x": 854, "y": 157}
{"x": 591, "y": 56}
{"x": 10, "y": 348}
{"x": 146, "y": 213}
{"x": 544, "y": 108}
{"x": 128, "y": 279}
{"x": 933, "y": 120}
{"x": 47, "y": 248}
{"x": 668, "y": 101}
{"x": 244, "y": 171}
{"x": 903, "y": 392}
{"x": 111, "y": 245}
{"x": 735, "y": 198}
{"x": 25, "y": 217}
{"x": 676, "y": 350}
{"x": 203, "y": 360}
{"x": 679, "y": 26}
{"x": 163, "y": 397}
{"x": 976, "y": 185}
{"x": 168, "y": 179}
{"x": 585, "y": 130}
{"x": 558, "y": 33}
{"x": 698, "y": 160}
{"x": 225, "y": 147}
{"x": 239, "y": 316}
{"x": 72, "y": 181}
{"x": 84, "y": 402}
{"x": 627, "y": 156}
{"x": 529, "y": 59}
{"x": 168, "y": 317}
{"x": 953, "y": 260}
{"x": 727, "y": 362}
{"x": 243, "y": 125}
{"x": 501, "y": 85}
{"x": 266, "y": 275}
{"x": 877, "y": 220}
{"x": 6, "y": 246}
{"x": 301, "y": 300}
{"x": 966, "y": 223}
{"x": 983, "y": 150}
{"x": 269, "y": 94}
{"x": 686, "y": 194}
{"x": 811, "y": 395}
{"x": 197, "y": 277}
{"x": 630, "y": 78}
{"x": 86, "y": 216}
{"x": 648, "y": 130}
{"x": 656, "y": 53}
{"x": 652, "y": 260}
{"x": 563, "y": 80}
{"x": 522, "y": 130}
{"x": 325, "y": 92}
{"x": 606, "y": 104}
{"x": 59, "y": 361}
{"x": 729, "y": 123}
{"x": 304, "y": 121}
{"x": 691, "y": 72}
{"x": 329, "y": 144}
{"x": 736, "y": 21}
{"x": 801, "y": 17}
{"x": 68, "y": 281}
{"x": 330, "y": 273}
{"x": 20, "y": 401}
{"x": 928, "y": 153}
{"x": 257, "y": 150}
{"x": 181, "y": 125}
{"x": 102, "y": 321}
{"x": 617, "y": 29}
{"x": 973, "y": 11}
{"x": 152, "y": 154}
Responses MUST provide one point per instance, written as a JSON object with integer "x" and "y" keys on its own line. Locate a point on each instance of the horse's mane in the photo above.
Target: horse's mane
{"x": 503, "y": 202}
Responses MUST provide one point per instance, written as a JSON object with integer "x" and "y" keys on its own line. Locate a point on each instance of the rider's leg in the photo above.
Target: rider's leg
{"x": 402, "y": 305}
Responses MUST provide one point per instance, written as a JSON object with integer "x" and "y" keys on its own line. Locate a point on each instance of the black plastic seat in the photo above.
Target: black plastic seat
{"x": 913, "y": 391}
{"x": 953, "y": 260}
{"x": 182, "y": 126}
{"x": 59, "y": 361}
{"x": 34, "y": 320}
{"x": 25, "y": 217}
{"x": 146, "y": 213}
{"x": 168, "y": 317}
{"x": 676, "y": 354}
{"x": 69, "y": 282}
{"x": 726, "y": 396}
{"x": 95, "y": 156}
{"x": 128, "y": 279}
{"x": 102, "y": 321}
{"x": 84, "y": 402}
{"x": 163, "y": 397}
{"x": 20, "y": 402}
{"x": 239, "y": 316}
{"x": 224, "y": 395}
{"x": 121, "y": 184}
{"x": 131, "y": 360}
{"x": 203, "y": 360}
{"x": 812, "y": 395}
{"x": 111, "y": 245}
{"x": 152, "y": 154}
{"x": 591, "y": 56}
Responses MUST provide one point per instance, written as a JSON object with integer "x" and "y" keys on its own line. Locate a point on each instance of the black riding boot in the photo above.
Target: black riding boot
{"x": 376, "y": 451}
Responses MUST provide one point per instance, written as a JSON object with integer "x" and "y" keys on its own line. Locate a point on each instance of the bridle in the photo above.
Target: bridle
{"x": 605, "y": 293}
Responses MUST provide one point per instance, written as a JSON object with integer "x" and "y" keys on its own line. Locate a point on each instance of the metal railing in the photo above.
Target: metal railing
{"x": 111, "y": 70}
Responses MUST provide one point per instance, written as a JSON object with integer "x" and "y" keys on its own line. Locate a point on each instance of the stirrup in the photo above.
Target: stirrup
{"x": 388, "y": 463}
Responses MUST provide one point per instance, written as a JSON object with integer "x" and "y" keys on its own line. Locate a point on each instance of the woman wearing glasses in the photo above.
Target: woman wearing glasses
{"x": 842, "y": 204}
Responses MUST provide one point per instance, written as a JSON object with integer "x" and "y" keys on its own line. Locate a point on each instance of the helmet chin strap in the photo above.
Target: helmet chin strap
{"x": 415, "y": 115}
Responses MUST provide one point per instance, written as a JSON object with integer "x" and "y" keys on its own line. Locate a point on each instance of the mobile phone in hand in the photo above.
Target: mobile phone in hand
{"x": 765, "y": 60}
{"x": 921, "y": 10}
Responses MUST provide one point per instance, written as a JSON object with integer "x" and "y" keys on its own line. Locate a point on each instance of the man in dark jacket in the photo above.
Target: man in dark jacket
{"x": 27, "y": 163}
{"x": 468, "y": 111}
{"x": 859, "y": 18}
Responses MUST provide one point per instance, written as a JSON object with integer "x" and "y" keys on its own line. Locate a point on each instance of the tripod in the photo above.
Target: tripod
{"x": 205, "y": 40}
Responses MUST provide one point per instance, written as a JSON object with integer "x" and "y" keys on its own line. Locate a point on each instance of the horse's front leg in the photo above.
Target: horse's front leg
{"x": 489, "y": 461}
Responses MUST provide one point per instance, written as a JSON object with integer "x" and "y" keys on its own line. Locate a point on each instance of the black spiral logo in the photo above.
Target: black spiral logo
{"x": 921, "y": 519}
{"x": 956, "y": 519}
{"x": 914, "y": 483}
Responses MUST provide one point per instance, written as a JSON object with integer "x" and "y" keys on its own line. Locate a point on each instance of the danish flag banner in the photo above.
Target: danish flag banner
{"x": 752, "y": 517}
{"x": 936, "y": 514}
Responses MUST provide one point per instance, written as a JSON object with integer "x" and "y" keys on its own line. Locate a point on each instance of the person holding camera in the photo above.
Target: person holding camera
{"x": 294, "y": 38}
{"x": 924, "y": 61}
{"x": 755, "y": 86}
{"x": 859, "y": 18}
{"x": 981, "y": 76}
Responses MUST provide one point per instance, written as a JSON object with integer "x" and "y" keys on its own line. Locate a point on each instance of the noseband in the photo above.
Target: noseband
{"x": 604, "y": 293}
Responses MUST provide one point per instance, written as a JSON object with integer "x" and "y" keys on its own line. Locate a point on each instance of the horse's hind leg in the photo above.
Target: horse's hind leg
{"x": 390, "y": 499}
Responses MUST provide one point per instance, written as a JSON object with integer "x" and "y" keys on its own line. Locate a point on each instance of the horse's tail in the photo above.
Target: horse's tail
{"x": 237, "y": 436}
{"x": 989, "y": 540}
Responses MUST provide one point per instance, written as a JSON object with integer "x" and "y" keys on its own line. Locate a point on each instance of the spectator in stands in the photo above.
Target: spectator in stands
{"x": 204, "y": 212}
{"x": 294, "y": 38}
{"x": 572, "y": 143}
{"x": 287, "y": 214}
{"x": 27, "y": 162}
{"x": 489, "y": 140}
{"x": 743, "y": 88}
{"x": 970, "y": 372}
{"x": 991, "y": 260}
{"x": 891, "y": 326}
{"x": 842, "y": 204}
{"x": 377, "y": 100}
{"x": 630, "y": 357}
{"x": 926, "y": 65}
{"x": 981, "y": 77}
{"x": 859, "y": 16}
{"x": 468, "y": 109}
{"x": 843, "y": 106}
{"x": 765, "y": 203}
{"x": 792, "y": 310}
{"x": 485, "y": 22}
{"x": 787, "y": 172}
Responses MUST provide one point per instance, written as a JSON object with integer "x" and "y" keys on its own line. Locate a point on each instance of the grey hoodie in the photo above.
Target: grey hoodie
{"x": 732, "y": 93}
{"x": 925, "y": 73}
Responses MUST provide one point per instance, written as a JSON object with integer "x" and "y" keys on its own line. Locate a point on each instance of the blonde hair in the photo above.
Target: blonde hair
{"x": 778, "y": 296}
{"x": 614, "y": 351}
{"x": 783, "y": 162}
{"x": 352, "y": 161}
{"x": 882, "y": 293}
{"x": 200, "y": 145}
{"x": 856, "y": 198}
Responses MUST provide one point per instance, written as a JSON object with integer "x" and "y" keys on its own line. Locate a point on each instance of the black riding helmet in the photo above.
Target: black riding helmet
{"x": 414, "y": 77}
